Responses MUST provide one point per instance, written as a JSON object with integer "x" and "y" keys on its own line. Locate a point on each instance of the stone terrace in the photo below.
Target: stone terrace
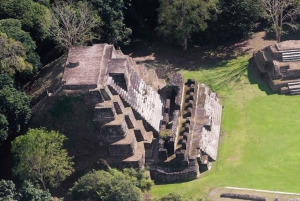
{"x": 279, "y": 65}
{"x": 84, "y": 65}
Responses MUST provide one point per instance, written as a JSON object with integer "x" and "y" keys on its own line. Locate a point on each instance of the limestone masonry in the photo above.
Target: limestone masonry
{"x": 145, "y": 116}
{"x": 279, "y": 65}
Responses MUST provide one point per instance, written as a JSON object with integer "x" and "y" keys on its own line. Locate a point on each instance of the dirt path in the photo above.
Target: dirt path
{"x": 256, "y": 43}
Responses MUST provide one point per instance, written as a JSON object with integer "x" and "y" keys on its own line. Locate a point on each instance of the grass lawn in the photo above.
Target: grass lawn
{"x": 260, "y": 143}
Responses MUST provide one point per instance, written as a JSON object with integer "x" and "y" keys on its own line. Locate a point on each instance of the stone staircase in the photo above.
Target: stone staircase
{"x": 127, "y": 138}
{"x": 294, "y": 88}
{"x": 290, "y": 55}
{"x": 141, "y": 98}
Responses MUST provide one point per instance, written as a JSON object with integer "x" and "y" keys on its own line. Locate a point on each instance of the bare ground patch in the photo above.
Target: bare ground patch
{"x": 159, "y": 54}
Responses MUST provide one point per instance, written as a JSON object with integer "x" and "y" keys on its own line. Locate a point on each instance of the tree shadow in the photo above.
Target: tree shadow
{"x": 226, "y": 77}
{"x": 161, "y": 54}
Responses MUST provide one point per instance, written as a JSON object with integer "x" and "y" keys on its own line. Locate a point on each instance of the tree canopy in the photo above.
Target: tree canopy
{"x": 138, "y": 178}
{"x": 14, "y": 108}
{"x": 12, "y": 56}
{"x": 282, "y": 12}
{"x": 27, "y": 192}
{"x": 179, "y": 19}
{"x": 72, "y": 23}
{"x": 103, "y": 185}
{"x": 234, "y": 20}
{"x": 35, "y": 17}
{"x": 114, "y": 30}
{"x": 40, "y": 157}
{"x": 13, "y": 29}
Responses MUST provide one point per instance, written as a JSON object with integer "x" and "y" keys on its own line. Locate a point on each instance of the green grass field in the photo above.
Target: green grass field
{"x": 260, "y": 143}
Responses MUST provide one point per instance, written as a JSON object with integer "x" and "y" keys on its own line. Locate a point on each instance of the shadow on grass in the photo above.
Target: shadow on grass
{"x": 227, "y": 74}
{"x": 255, "y": 79}
{"x": 161, "y": 54}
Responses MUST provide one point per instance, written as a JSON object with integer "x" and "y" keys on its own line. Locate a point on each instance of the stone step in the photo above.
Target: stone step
{"x": 290, "y": 53}
{"x": 293, "y": 83}
{"x": 291, "y": 56}
{"x": 294, "y": 86}
{"x": 286, "y": 51}
{"x": 294, "y": 92}
{"x": 294, "y": 59}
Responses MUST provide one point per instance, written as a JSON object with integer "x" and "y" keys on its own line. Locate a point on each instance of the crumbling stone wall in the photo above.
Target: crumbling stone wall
{"x": 169, "y": 174}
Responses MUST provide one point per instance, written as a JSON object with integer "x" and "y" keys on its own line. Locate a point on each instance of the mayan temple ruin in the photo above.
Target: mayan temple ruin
{"x": 145, "y": 116}
{"x": 279, "y": 65}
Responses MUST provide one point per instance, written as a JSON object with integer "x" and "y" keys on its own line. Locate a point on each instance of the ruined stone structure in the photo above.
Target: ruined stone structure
{"x": 279, "y": 64}
{"x": 147, "y": 116}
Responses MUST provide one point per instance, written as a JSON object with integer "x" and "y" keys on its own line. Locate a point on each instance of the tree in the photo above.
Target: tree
{"x": 27, "y": 192}
{"x": 3, "y": 128}
{"x": 138, "y": 178}
{"x": 72, "y": 23}
{"x": 178, "y": 19}
{"x": 141, "y": 17}
{"x": 15, "y": 109}
{"x": 235, "y": 20}
{"x": 35, "y": 17}
{"x": 39, "y": 157}
{"x": 103, "y": 185}
{"x": 12, "y": 56}
{"x": 43, "y": 2}
{"x": 7, "y": 190}
{"x": 13, "y": 29}
{"x": 282, "y": 12}
{"x": 114, "y": 30}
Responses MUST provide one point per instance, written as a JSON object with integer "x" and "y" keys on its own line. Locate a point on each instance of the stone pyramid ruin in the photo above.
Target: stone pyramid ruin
{"x": 279, "y": 65}
{"x": 145, "y": 116}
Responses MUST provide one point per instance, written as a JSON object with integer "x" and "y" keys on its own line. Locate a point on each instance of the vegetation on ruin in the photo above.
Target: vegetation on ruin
{"x": 164, "y": 132}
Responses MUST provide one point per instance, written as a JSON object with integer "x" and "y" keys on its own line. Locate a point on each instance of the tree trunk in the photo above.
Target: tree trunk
{"x": 185, "y": 43}
{"x": 278, "y": 34}
{"x": 44, "y": 184}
